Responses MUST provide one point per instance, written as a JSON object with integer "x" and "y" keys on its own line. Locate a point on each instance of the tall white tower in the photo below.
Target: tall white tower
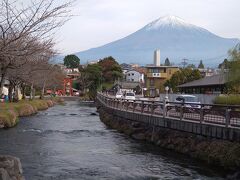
{"x": 157, "y": 57}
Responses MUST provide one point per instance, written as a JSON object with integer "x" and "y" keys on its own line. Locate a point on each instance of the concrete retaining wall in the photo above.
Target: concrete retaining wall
{"x": 207, "y": 130}
{"x": 200, "y": 141}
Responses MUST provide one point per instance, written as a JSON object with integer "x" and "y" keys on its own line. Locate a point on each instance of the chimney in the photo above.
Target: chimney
{"x": 157, "y": 57}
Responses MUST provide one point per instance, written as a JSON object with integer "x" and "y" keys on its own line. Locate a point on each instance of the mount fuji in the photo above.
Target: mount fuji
{"x": 176, "y": 40}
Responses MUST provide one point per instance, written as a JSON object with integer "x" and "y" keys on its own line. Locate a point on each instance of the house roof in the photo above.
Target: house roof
{"x": 141, "y": 70}
{"x": 154, "y": 66}
{"x": 218, "y": 79}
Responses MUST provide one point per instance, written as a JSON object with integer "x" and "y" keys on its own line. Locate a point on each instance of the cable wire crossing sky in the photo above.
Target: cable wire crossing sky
{"x": 98, "y": 22}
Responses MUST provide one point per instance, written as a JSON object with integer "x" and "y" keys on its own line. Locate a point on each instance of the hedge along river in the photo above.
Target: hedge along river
{"x": 70, "y": 142}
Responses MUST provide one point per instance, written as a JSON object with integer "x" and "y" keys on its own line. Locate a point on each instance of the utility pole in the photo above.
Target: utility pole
{"x": 184, "y": 62}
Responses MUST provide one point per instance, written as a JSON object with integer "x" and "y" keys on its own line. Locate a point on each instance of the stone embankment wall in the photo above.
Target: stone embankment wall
{"x": 211, "y": 150}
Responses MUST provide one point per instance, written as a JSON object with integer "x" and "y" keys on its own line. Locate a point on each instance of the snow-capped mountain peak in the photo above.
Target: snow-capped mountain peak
{"x": 175, "y": 38}
{"x": 167, "y": 21}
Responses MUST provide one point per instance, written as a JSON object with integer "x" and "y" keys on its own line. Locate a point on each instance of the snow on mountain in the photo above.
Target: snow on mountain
{"x": 175, "y": 38}
{"x": 172, "y": 21}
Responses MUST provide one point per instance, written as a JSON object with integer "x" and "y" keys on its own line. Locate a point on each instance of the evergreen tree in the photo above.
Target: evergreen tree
{"x": 167, "y": 62}
{"x": 201, "y": 66}
{"x": 91, "y": 79}
{"x": 71, "y": 61}
{"x": 192, "y": 66}
{"x": 183, "y": 76}
{"x": 234, "y": 70}
{"x": 224, "y": 65}
{"x": 111, "y": 70}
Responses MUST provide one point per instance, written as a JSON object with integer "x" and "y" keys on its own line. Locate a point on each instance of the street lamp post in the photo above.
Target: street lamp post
{"x": 166, "y": 89}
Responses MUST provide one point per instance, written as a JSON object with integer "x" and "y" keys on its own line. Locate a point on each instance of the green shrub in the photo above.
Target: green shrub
{"x": 228, "y": 100}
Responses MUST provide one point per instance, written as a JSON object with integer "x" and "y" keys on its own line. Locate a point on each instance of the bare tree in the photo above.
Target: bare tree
{"x": 22, "y": 26}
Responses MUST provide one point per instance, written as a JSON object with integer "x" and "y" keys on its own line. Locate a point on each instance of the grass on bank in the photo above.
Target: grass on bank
{"x": 228, "y": 100}
{"x": 8, "y": 119}
{"x": 9, "y": 112}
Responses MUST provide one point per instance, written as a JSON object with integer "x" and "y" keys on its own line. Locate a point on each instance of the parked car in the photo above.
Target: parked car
{"x": 119, "y": 95}
{"x": 130, "y": 96}
{"x": 185, "y": 99}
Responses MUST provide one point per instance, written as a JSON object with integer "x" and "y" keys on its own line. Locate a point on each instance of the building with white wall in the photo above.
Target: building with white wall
{"x": 134, "y": 76}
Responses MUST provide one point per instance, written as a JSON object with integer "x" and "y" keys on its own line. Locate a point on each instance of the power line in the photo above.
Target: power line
{"x": 184, "y": 62}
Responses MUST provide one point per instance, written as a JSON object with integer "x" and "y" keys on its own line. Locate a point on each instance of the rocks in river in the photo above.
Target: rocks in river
{"x": 93, "y": 114}
{"x": 10, "y": 168}
{"x": 72, "y": 114}
{"x": 4, "y": 174}
{"x": 139, "y": 136}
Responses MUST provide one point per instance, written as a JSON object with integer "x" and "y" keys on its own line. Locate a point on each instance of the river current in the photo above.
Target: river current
{"x": 70, "y": 143}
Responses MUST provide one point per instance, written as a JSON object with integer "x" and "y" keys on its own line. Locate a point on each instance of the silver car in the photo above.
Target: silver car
{"x": 189, "y": 101}
{"x": 119, "y": 95}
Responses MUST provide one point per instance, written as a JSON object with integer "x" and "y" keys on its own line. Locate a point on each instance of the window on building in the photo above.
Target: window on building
{"x": 132, "y": 74}
{"x": 129, "y": 74}
{"x": 161, "y": 70}
{"x": 151, "y": 82}
{"x": 165, "y": 70}
{"x": 132, "y": 79}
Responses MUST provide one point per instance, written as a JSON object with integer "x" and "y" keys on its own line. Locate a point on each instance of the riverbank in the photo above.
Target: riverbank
{"x": 10, "y": 112}
{"x": 219, "y": 153}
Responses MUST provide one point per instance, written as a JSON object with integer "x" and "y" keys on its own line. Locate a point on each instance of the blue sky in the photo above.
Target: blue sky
{"x": 98, "y": 22}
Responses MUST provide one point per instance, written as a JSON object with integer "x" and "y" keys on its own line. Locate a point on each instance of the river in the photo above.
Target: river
{"x": 69, "y": 142}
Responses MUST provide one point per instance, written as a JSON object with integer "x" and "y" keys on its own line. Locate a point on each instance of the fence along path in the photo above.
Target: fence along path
{"x": 218, "y": 115}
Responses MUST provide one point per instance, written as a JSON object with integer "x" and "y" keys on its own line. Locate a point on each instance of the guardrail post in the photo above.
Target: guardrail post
{"x": 164, "y": 108}
{"x": 121, "y": 104}
{"x": 152, "y": 107}
{"x": 201, "y": 115}
{"x": 133, "y": 105}
{"x": 118, "y": 103}
{"x": 181, "y": 112}
{"x": 142, "y": 106}
{"x": 227, "y": 116}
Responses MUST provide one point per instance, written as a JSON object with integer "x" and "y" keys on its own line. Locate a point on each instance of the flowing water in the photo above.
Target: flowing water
{"x": 70, "y": 142}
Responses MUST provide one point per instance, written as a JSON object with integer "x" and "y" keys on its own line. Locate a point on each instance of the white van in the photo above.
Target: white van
{"x": 130, "y": 96}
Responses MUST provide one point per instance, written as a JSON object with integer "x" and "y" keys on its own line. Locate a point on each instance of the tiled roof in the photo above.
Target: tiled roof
{"x": 218, "y": 79}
